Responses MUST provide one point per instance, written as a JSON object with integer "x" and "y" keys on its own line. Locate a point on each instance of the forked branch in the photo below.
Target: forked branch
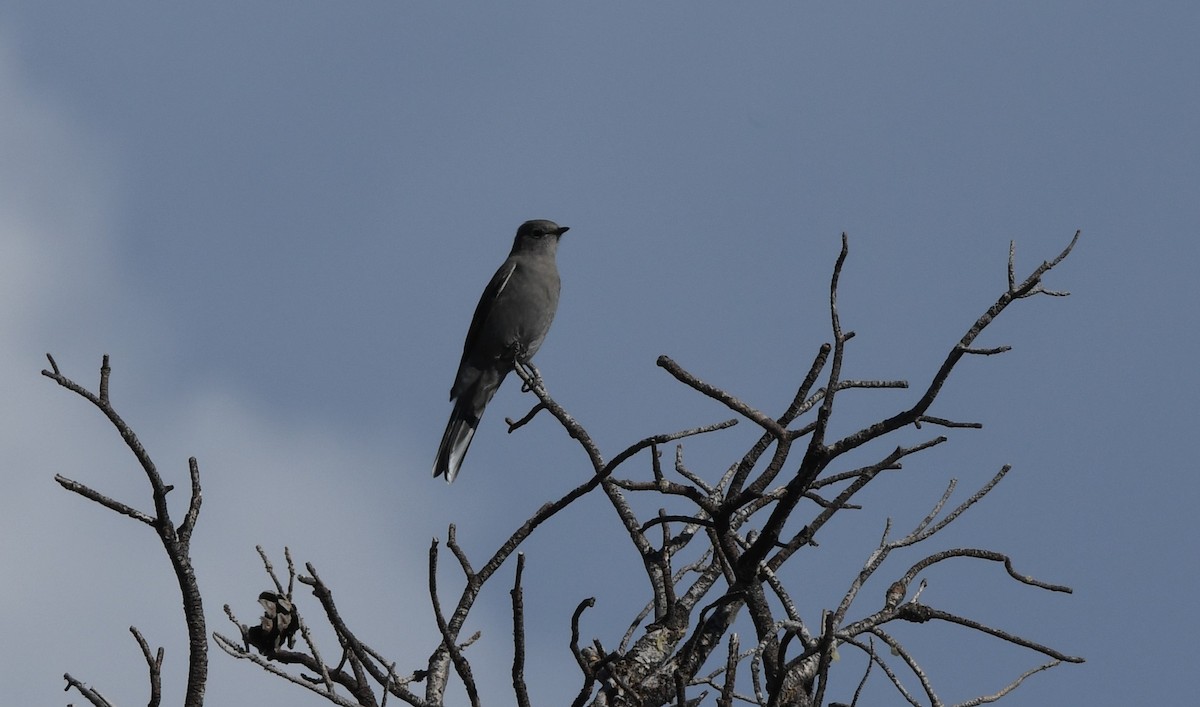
{"x": 175, "y": 540}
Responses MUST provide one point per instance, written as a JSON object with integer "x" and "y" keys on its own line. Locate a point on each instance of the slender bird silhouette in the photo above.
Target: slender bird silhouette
{"x": 511, "y": 320}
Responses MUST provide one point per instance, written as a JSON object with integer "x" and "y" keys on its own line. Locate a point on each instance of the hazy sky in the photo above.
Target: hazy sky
{"x": 277, "y": 218}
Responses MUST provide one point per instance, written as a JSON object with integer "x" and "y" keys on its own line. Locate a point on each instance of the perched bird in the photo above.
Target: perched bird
{"x": 510, "y": 322}
{"x": 277, "y": 627}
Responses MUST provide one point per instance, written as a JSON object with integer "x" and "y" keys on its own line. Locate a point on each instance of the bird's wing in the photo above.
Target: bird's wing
{"x": 486, "y": 301}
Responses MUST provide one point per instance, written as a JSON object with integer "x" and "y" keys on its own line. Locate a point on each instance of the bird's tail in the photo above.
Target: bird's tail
{"x": 455, "y": 441}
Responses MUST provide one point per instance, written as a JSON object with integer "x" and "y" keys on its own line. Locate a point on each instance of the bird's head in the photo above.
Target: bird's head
{"x": 538, "y": 235}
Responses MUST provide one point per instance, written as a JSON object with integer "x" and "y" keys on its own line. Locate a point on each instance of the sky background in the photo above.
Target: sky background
{"x": 277, "y": 218}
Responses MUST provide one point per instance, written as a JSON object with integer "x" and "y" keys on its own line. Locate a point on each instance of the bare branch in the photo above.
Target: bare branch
{"x": 92, "y": 495}
{"x": 175, "y": 541}
{"x": 350, "y": 643}
{"x": 982, "y": 555}
{"x": 514, "y": 425}
{"x": 664, "y": 438}
{"x": 920, "y": 533}
{"x": 985, "y": 352}
{"x": 874, "y": 384}
{"x": 869, "y": 649}
{"x": 762, "y": 420}
{"x": 826, "y": 652}
{"x": 584, "y": 605}
{"x": 862, "y": 683}
{"x": 1012, "y": 274}
{"x": 154, "y": 664}
{"x": 602, "y": 470}
{"x": 193, "y": 511}
{"x": 898, "y": 649}
{"x": 573, "y": 428}
{"x": 985, "y": 699}
{"x": 452, "y": 543}
{"x": 231, "y": 648}
{"x": 1033, "y": 284}
{"x": 271, "y": 570}
{"x": 895, "y": 422}
{"x": 731, "y": 663}
{"x": 693, "y": 478}
{"x": 518, "y": 604}
{"x": 839, "y": 347}
{"x": 797, "y": 407}
{"x": 88, "y": 693}
{"x": 863, "y": 477}
{"x": 920, "y": 613}
{"x": 946, "y": 423}
{"x": 449, "y": 638}
{"x": 664, "y": 519}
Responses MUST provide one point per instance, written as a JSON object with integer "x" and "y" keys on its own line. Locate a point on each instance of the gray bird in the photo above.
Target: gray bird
{"x": 510, "y": 322}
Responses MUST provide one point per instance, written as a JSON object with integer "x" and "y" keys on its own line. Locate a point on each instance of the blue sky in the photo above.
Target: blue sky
{"x": 277, "y": 219}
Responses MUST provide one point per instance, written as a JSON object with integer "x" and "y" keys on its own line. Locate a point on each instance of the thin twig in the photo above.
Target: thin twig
{"x": 978, "y": 554}
{"x": 518, "y": 607}
{"x": 88, "y": 693}
{"x": 920, "y": 613}
{"x": 985, "y": 699}
{"x": 111, "y": 504}
{"x": 731, "y": 663}
{"x": 759, "y": 418}
{"x": 154, "y": 664}
{"x": 449, "y": 639}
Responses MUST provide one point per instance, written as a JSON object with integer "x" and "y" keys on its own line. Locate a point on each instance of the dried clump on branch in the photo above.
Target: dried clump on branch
{"x": 719, "y": 560}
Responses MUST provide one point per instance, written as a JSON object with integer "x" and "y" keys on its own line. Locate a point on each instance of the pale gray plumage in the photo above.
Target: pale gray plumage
{"x": 510, "y": 322}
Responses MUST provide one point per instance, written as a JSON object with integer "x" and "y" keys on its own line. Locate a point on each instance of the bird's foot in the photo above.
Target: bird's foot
{"x": 515, "y": 353}
{"x": 518, "y": 357}
{"x": 530, "y": 373}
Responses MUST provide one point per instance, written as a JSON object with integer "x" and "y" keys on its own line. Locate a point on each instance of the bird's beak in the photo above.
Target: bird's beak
{"x": 561, "y": 230}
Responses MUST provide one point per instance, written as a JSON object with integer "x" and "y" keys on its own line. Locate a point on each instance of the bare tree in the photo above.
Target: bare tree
{"x": 717, "y": 559}
{"x": 176, "y": 540}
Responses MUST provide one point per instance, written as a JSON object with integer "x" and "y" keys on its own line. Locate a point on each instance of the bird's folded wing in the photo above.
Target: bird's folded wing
{"x": 484, "y": 308}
